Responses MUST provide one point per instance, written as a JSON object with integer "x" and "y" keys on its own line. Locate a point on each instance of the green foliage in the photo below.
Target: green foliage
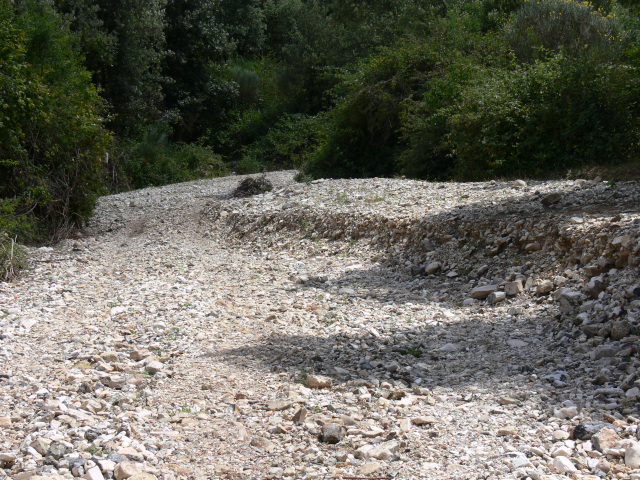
{"x": 123, "y": 44}
{"x": 288, "y": 144}
{"x": 364, "y": 127}
{"x": 496, "y": 13}
{"x": 97, "y": 45}
{"x": 154, "y": 160}
{"x": 53, "y": 139}
{"x": 197, "y": 48}
{"x": 244, "y": 21}
{"x": 576, "y": 27}
{"x": 542, "y": 118}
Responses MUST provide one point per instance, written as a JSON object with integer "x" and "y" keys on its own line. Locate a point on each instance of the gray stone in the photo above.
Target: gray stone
{"x": 57, "y": 450}
{"x": 605, "y": 439}
{"x": 301, "y": 415}
{"x": 318, "y": 381}
{"x": 370, "y": 468}
{"x": 496, "y": 297}
{"x": 595, "y": 286}
{"x": 93, "y": 473}
{"x": 433, "y": 267}
{"x": 632, "y": 455}
{"x": 602, "y": 351}
{"x": 566, "y": 412}
{"x": 427, "y": 420}
{"x": 585, "y": 430}
{"x": 563, "y": 465}
{"x": 544, "y": 287}
{"x": 279, "y": 404}
{"x": 480, "y": 293}
{"x": 551, "y": 199}
{"x": 263, "y": 444}
{"x": 385, "y": 451}
{"x": 126, "y": 469}
{"x": 154, "y": 367}
{"x": 620, "y": 329}
{"x": 332, "y": 433}
{"x": 115, "y": 381}
{"x": 448, "y": 348}
{"x": 116, "y": 457}
{"x": 513, "y": 288}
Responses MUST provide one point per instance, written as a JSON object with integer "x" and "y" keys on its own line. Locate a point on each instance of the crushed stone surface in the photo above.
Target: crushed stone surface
{"x": 376, "y": 328}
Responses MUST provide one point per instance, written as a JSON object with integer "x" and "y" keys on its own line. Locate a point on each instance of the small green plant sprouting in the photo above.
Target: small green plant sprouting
{"x": 148, "y": 373}
{"x": 185, "y": 305}
{"x": 306, "y": 227}
{"x": 303, "y": 178}
{"x": 158, "y": 350}
{"x": 317, "y": 409}
{"x": 376, "y": 198}
{"x": 113, "y": 304}
{"x": 413, "y": 350}
{"x": 330, "y": 318}
{"x": 304, "y": 373}
{"x": 185, "y": 408}
{"x": 342, "y": 198}
{"x": 94, "y": 450}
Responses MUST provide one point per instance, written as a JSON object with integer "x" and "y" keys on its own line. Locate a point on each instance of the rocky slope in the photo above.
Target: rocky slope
{"x": 346, "y": 328}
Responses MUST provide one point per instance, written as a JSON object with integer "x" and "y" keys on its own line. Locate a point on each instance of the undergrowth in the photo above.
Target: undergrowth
{"x": 12, "y": 257}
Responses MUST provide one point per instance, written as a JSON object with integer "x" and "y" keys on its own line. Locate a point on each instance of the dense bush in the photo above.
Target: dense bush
{"x": 364, "y": 127}
{"x": 53, "y": 141}
{"x": 154, "y": 160}
{"x": 460, "y": 103}
{"x": 575, "y": 27}
{"x": 288, "y": 144}
{"x": 543, "y": 118}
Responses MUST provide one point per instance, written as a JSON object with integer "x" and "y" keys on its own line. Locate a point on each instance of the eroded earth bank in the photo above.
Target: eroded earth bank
{"x": 345, "y": 328}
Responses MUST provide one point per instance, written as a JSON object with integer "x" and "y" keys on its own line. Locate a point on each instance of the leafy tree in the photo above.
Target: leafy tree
{"x": 95, "y": 43}
{"x": 53, "y": 139}
{"x": 123, "y": 44}
{"x": 243, "y": 21}
{"x": 198, "y": 47}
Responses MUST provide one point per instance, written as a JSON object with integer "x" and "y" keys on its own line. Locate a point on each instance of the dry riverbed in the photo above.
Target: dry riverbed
{"x": 344, "y": 328}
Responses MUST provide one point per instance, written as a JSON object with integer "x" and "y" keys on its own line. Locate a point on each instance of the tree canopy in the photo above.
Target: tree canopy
{"x": 99, "y": 95}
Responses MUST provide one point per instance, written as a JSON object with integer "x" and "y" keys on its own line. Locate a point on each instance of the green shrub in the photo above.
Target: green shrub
{"x": 154, "y": 161}
{"x": 363, "y": 135}
{"x": 289, "y": 144}
{"x": 496, "y": 13}
{"x": 543, "y": 27}
{"x": 52, "y": 140}
{"x": 425, "y": 123}
{"x": 544, "y": 118}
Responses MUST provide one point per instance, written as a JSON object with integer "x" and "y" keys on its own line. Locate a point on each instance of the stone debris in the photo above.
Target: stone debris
{"x": 332, "y": 433}
{"x": 342, "y": 328}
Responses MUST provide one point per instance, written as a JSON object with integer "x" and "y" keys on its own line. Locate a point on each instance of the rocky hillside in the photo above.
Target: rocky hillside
{"x": 345, "y": 328}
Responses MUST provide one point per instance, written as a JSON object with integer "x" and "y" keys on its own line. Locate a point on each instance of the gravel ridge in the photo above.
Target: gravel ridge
{"x": 374, "y": 328}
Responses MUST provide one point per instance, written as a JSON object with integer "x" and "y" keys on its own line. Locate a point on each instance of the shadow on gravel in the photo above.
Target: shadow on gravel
{"x": 487, "y": 347}
{"x": 481, "y": 350}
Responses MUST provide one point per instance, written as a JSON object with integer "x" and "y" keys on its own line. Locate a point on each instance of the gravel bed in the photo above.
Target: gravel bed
{"x": 379, "y": 328}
